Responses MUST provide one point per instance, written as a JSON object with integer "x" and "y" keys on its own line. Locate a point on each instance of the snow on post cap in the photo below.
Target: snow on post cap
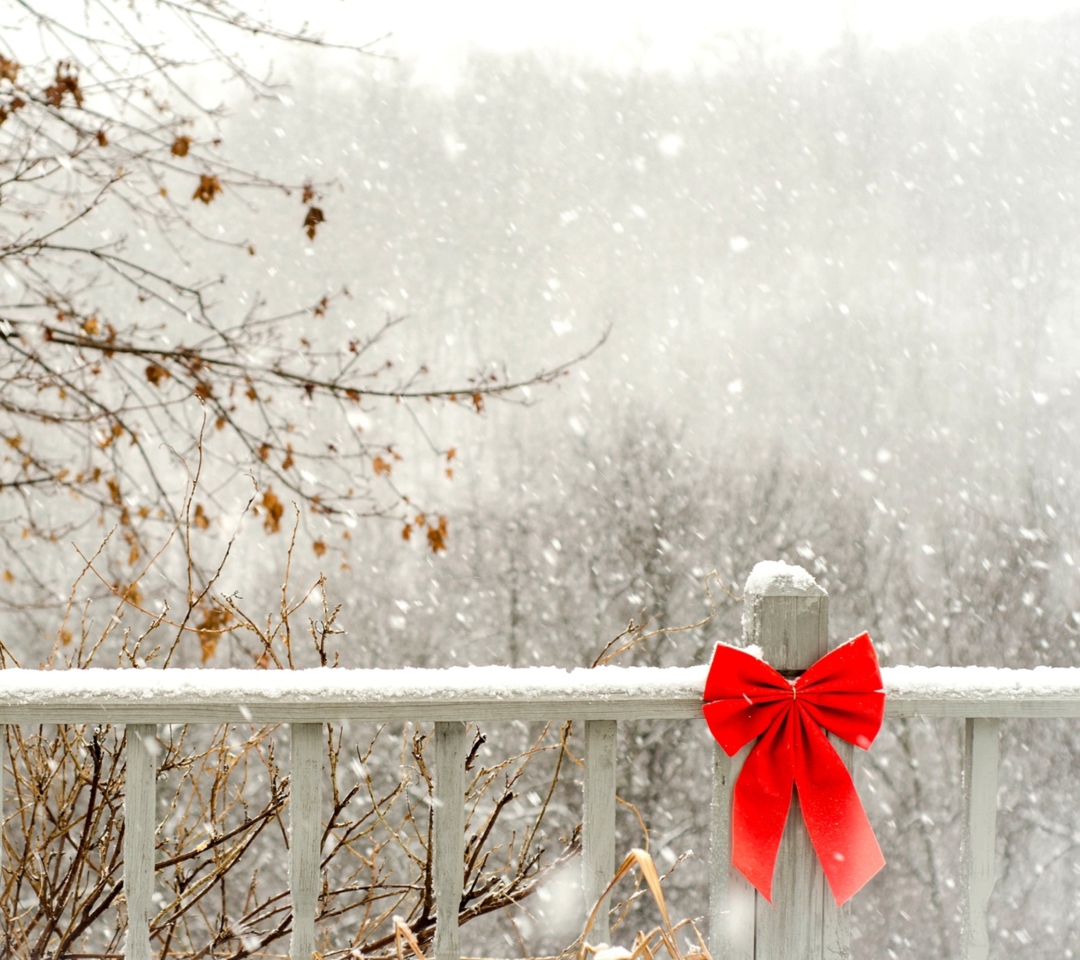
{"x": 774, "y": 578}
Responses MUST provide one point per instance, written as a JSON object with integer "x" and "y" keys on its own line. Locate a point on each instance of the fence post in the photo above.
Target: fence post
{"x": 786, "y": 614}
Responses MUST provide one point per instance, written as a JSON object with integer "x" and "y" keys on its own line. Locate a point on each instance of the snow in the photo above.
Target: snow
{"x": 485, "y": 684}
{"x": 371, "y": 686}
{"x": 773, "y": 578}
{"x": 981, "y": 683}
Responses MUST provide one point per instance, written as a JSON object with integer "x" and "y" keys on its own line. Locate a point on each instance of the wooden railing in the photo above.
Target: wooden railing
{"x": 787, "y": 619}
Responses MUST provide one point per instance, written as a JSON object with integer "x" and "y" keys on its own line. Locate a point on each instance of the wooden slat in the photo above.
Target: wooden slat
{"x": 307, "y": 710}
{"x": 449, "y": 840}
{"x": 996, "y": 705}
{"x": 980, "y": 833}
{"x": 140, "y": 823}
{"x": 3, "y": 745}
{"x": 598, "y": 822}
{"x": 305, "y": 835}
{"x": 731, "y": 898}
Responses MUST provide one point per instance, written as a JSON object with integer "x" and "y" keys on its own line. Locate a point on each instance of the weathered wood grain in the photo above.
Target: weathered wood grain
{"x": 792, "y": 630}
{"x": 3, "y": 746}
{"x": 140, "y": 825}
{"x": 980, "y": 784}
{"x": 449, "y": 840}
{"x": 598, "y": 821}
{"x": 836, "y": 942}
{"x": 305, "y": 835}
{"x": 731, "y": 898}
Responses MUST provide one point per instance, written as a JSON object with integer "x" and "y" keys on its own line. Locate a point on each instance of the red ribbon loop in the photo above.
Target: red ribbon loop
{"x": 841, "y": 694}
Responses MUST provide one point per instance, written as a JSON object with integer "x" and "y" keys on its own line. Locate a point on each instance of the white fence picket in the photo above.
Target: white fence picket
{"x": 980, "y": 784}
{"x": 305, "y": 835}
{"x": 598, "y": 822}
{"x": 3, "y": 744}
{"x": 449, "y": 840}
{"x": 140, "y": 823}
{"x": 731, "y": 898}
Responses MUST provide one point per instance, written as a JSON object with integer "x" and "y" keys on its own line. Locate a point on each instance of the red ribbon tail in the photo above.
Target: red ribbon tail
{"x": 760, "y": 808}
{"x": 835, "y": 819}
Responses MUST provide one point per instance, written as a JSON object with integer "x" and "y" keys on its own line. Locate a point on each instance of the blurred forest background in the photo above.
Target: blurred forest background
{"x": 841, "y": 294}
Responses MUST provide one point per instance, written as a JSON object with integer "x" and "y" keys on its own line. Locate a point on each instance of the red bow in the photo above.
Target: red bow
{"x": 842, "y": 694}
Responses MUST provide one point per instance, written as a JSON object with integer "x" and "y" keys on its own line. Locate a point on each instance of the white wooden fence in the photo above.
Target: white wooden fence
{"x": 789, "y": 623}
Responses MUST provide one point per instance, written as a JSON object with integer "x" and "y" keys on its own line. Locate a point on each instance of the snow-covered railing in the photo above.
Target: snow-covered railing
{"x": 786, "y": 617}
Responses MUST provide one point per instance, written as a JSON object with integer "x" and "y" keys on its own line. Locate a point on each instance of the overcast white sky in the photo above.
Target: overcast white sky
{"x": 663, "y": 31}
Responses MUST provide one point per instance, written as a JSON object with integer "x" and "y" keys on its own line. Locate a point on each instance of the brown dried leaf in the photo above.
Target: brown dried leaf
{"x": 381, "y": 466}
{"x": 208, "y": 188}
{"x": 214, "y": 621}
{"x": 108, "y": 439}
{"x": 156, "y": 374}
{"x": 319, "y": 547}
{"x": 131, "y": 593}
{"x": 203, "y": 390}
{"x": 65, "y": 82}
{"x": 312, "y": 220}
{"x": 180, "y": 147}
{"x": 275, "y": 509}
{"x": 9, "y": 69}
{"x": 202, "y": 521}
{"x": 437, "y": 536}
